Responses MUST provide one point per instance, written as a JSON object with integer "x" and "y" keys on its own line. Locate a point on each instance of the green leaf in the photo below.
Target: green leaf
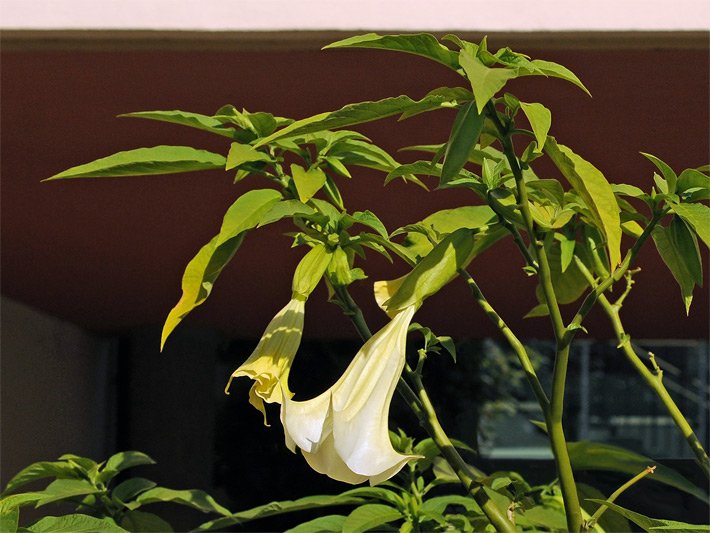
{"x": 607, "y": 521}
{"x": 369, "y": 219}
{"x": 668, "y": 174}
{"x": 465, "y": 131}
{"x": 144, "y": 522}
{"x": 540, "y": 120}
{"x": 435, "y": 270}
{"x": 121, "y": 461}
{"x": 202, "y": 271}
{"x": 694, "y": 185}
{"x": 555, "y": 70}
{"x": 438, "y": 504}
{"x": 332, "y": 523}
{"x": 9, "y": 519}
{"x": 243, "y": 153}
{"x": 281, "y": 507}
{"x": 688, "y": 249}
{"x": 597, "y": 456}
{"x": 653, "y": 524}
{"x": 284, "y": 209}
{"x": 421, "y": 44}
{"x": 547, "y": 517}
{"x": 676, "y": 262}
{"x": 62, "y": 489}
{"x": 40, "y": 470}
{"x": 370, "y": 516}
{"x": 75, "y": 523}
{"x": 310, "y": 270}
{"x": 595, "y": 191}
{"x": 197, "y": 499}
{"x": 308, "y": 182}
{"x": 364, "y": 112}
{"x": 697, "y": 216}
{"x": 15, "y": 501}
{"x": 485, "y": 81}
{"x": 538, "y": 311}
{"x": 130, "y": 488}
{"x": 146, "y": 161}
{"x": 185, "y": 118}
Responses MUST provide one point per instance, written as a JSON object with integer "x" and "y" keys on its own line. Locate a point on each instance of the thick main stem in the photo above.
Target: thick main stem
{"x": 419, "y": 402}
{"x": 553, "y": 422}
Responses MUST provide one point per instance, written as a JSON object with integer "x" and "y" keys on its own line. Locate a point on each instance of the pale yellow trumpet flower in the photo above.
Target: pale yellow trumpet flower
{"x": 343, "y": 433}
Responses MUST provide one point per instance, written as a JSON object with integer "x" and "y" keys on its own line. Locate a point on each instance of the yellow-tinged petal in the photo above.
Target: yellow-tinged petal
{"x": 343, "y": 433}
{"x": 384, "y": 290}
{"x": 270, "y": 362}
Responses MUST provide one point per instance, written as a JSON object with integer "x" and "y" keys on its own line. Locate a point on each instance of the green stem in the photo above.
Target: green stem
{"x": 512, "y": 339}
{"x": 554, "y": 420}
{"x": 654, "y": 379}
{"x": 463, "y": 471}
{"x": 618, "y": 492}
{"x": 421, "y": 406}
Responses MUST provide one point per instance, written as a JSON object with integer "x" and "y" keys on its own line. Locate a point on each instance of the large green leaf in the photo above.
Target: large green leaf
{"x": 62, "y": 489}
{"x": 540, "y": 119}
{"x": 243, "y": 153}
{"x": 694, "y": 185}
{"x": 479, "y": 217}
{"x": 130, "y": 488}
{"x": 485, "y": 81}
{"x": 370, "y": 516}
{"x": 40, "y": 470}
{"x": 595, "y": 191}
{"x": 438, "y": 504}
{"x": 569, "y": 284}
{"x": 310, "y": 270}
{"x": 597, "y": 456}
{"x": 9, "y": 519}
{"x": 608, "y": 521}
{"x": 435, "y": 270}
{"x": 332, "y": 523}
{"x": 144, "y": 522}
{"x": 146, "y": 161}
{"x": 465, "y": 131}
{"x": 121, "y": 461}
{"x": 421, "y": 44}
{"x": 202, "y": 271}
{"x": 276, "y": 508}
{"x": 555, "y": 70}
{"x": 677, "y": 262}
{"x": 75, "y": 523}
{"x": 697, "y": 216}
{"x": 653, "y": 524}
{"x": 197, "y": 499}
{"x": 186, "y": 118}
{"x": 365, "y": 112}
{"x": 308, "y": 182}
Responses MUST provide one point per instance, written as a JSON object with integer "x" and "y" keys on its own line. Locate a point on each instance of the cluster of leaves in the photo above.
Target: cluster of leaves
{"x": 101, "y": 501}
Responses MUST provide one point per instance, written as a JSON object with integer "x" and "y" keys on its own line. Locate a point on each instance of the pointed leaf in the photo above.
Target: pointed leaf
{"x": 364, "y": 112}
{"x": 185, "y": 118}
{"x": 310, "y": 270}
{"x": 284, "y": 209}
{"x": 130, "y": 488}
{"x": 62, "y": 489}
{"x": 75, "y": 523}
{"x": 40, "y": 470}
{"x": 121, "y": 461}
{"x": 668, "y": 174}
{"x": 146, "y": 161}
{"x": 598, "y": 456}
{"x": 144, "y": 522}
{"x": 332, "y": 523}
{"x": 485, "y": 81}
{"x": 540, "y": 120}
{"x": 202, "y": 271}
{"x": 197, "y": 499}
{"x": 687, "y": 245}
{"x": 368, "y": 218}
{"x": 421, "y": 44}
{"x": 9, "y": 519}
{"x": 676, "y": 263}
{"x": 653, "y": 524}
{"x": 308, "y": 182}
{"x": 370, "y": 516}
{"x": 243, "y": 153}
{"x": 465, "y": 131}
{"x": 595, "y": 190}
{"x": 697, "y": 216}
{"x": 435, "y": 270}
{"x": 555, "y": 70}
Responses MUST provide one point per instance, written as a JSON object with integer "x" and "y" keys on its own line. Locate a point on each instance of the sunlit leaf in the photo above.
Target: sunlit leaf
{"x": 186, "y": 118}
{"x": 308, "y": 182}
{"x": 653, "y": 524}
{"x": 196, "y": 499}
{"x": 332, "y": 523}
{"x": 121, "y": 461}
{"x": 243, "y": 153}
{"x": 146, "y": 161}
{"x": 556, "y": 70}
{"x": 464, "y": 134}
{"x": 421, "y": 44}
{"x": 540, "y": 120}
{"x": 485, "y": 81}
{"x": 676, "y": 262}
{"x": 697, "y": 216}
{"x": 41, "y": 470}
{"x": 75, "y": 523}
{"x": 370, "y": 516}
{"x": 668, "y": 174}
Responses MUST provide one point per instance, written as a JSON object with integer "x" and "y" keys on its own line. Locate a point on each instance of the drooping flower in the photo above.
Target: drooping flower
{"x": 270, "y": 362}
{"x": 343, "y": 433}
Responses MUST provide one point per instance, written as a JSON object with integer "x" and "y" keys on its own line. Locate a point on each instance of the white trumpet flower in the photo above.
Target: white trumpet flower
{"x": 270, "y": 362}
{"x": 343, "y": 433}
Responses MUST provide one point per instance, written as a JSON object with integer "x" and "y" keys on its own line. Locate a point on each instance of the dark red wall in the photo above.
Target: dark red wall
{"x": 108, "y": 254}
